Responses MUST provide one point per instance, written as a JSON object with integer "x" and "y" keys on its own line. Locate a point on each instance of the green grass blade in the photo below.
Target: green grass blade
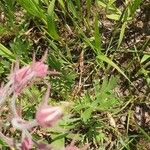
{"x": 88, "y": 3}
{"x": 33, "y": 8}
{"x": 61, "y": 2}
{"x": 50, "y": 21}
{"x": 72, "y": 8}
{"x": 135, "y": 5}
{"x": 145, "y": 57}
{"x": 97, "y": 35}
{"x": 122, "y": 34}
{"x": 4, "y": 52}
{"x": 111, "y": 63}
{"x": 144, "y": 133}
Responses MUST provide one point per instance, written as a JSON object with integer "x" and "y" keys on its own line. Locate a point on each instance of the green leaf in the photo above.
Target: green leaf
{"x": 110, "y": 62}
{"x": 62, "y": 3}
{"x": 58, "y": 140}
{"x": 2, "y": 143}
{"x": 86, "y": 115}
{"x": 144, "y": 133}
{"x": 104, "y": 96}
{"x": 88, "y": 3}
{"x": 33, "y": 8}
{"x": 145, "y": 57}
{"x": 121, "y": 34}
{"x": 51, "y": 21}
{"x": 97, "y": 35}
{"x": 2, "y": 29}
{"x": 50, "y": 9}
{"x": 135, "y": 5}
{"x": 100, "y": 3}
{"x": 54, "y": 62}
{"x": 72, "y": 9}
{"x": 6, "y": 53}
{"x": 113, "y": 17}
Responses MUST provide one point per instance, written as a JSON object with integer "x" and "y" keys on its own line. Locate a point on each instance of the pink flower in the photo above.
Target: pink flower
{"x": 48, "y": 116}
{"x": 21, "y": 77}
{"x": 26, "y": 144}
{"x": 22, "y": 73}
{"x": 40, "y": 69}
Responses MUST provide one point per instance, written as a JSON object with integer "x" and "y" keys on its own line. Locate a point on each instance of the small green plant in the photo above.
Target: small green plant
{"x": 100, "y": 100}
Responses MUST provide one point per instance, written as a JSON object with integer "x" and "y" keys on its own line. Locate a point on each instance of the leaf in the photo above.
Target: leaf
{"x": 62, "y": 3}
{"x": 110, "y": 62}
{"x": 105, "y": 98}
{"x": 58, "y": 140}
{"x": 100, "y": 3}
{"x": 97, "y": 35}
{"x": 2, "y": 143}
{"x": 121, "y": 34}
{"x": 54, "y": 62}
{"x": 50, "y": 9}
{"x": 86, "y": 115}
{"x": 144, "y": 133}
{"x": 145, "y": 57}
{"x": 6, "y": 53}
{"x": 113, "y": 17}
{"x": 112, "y": 82}
{"x": 135, "y": 5}
{"x": 72, "y": 8}
{"x": 2, "y": 30}
{"x": 88, "y": 3}
{"x": 33, "y": 8}
{"x": 50, "y": 21}
{"x": 78, "y": 4}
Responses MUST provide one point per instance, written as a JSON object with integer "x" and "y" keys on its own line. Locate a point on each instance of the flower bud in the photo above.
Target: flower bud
{"x": 26, "y": 144}
{"x": 20, "y": 74}
{"x": 47, "y": 116}
{"x": 40, "y": 69}
{"x": 21, "y": 77}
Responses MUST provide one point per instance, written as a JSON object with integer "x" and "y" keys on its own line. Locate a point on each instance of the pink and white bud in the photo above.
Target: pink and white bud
{"x": 48, "y": 116}
{"x": 23, "y": 76}
{"x": 26, "y": 144}
{"x": 22, "y": 73}
{"x": 40, "y": 69}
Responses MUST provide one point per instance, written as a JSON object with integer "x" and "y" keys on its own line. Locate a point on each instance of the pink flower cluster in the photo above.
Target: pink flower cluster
{"x": 46, "y": 115}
